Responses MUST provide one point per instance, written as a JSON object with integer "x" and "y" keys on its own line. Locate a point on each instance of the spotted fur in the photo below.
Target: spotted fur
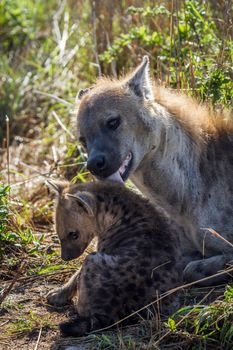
{"x": 137, "y": 257}
{"x": 182, "y": 157}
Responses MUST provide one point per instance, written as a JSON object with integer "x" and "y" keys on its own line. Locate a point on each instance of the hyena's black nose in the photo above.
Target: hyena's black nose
{"x": 96, "y": 163}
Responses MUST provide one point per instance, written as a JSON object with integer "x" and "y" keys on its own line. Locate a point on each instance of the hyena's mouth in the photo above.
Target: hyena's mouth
{"x": 122, "y": 173}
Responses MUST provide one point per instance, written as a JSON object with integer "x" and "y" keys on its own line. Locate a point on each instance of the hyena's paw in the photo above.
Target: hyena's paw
{"x": 57, "y": 297}
{"x": 77, "y": 327}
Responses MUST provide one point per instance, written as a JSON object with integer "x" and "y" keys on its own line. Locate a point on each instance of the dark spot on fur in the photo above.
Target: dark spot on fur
{"x": 144, "y": 263}
{"x": 229, "y": 212}
{"x": 124, "y": 260}
{"x": 174, "y": 280}
{"x": 100, "y": 198}
{"x": 113, "y": 213}
{"x": 225, "y": 219}
{"x": 180, "y": 162}
{"x": 102, "y": 293}
{"x": 130, "y": 287}
{"x": 125, "y": 221}
{"x": 141, "y": 292}
{"x": 107, "y": 309}
{"x": 142, "y": 272}
{"x": 149, "y": 282}
{"x": 115, "y": 199}
{"x": 114, "y": 301}
{"x": 156, "y": 276}
{"x": 131, "y": 254}
{"x": 106, "y": 274}
{"x": 173, "y": 199}
{"x": 98, "y": 301}
{"x": 122, "y": 273}
{"x": 103, "y": 260}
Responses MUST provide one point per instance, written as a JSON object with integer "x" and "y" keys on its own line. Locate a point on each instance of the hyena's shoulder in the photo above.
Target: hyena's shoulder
{"x": 140, "y": 226}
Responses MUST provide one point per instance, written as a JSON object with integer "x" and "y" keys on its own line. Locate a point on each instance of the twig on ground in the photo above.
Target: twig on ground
{"x": 31, "y": 178}
{"x": 28, "y": 278}
{"x": 38, "y": 339}
{"x": 15, "y": 279}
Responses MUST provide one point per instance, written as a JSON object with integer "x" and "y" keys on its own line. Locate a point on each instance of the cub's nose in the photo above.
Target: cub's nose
{"x": 96, "y": 163}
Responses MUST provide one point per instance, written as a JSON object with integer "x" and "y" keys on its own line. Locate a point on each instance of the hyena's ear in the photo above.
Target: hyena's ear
{"x": 82, "y": 92}
{"x": 86, "y": 200}
{"x": 139, "y": 81}
{"x": 56, "y": 186}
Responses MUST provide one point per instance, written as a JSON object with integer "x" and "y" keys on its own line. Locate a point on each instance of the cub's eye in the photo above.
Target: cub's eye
{"x": 113, "y": 123}
{"x": 83, "y": 142}
{"x": 74, "y": 235}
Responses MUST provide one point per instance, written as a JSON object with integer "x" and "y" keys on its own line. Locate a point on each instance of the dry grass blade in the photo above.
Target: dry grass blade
{"x": 216, "y": 234}
{"x": 15, "y": 279}
{"x": 95, "y": 39}
{"x": 8, "y": 149}
{"x": 183, "y": 318}
{"x": 38, "y": 339}
{"x": 62, "y": 125}
{"x": 36, "y": 277}
{"x": 58, "y": 99}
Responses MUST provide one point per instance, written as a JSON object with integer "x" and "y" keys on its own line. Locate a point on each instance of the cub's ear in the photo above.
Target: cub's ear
{"x": 81, "y": 93}
{"x": 57, "y": 186}
{"x": 86, "y": 200}
{"x": 139, "y": 80}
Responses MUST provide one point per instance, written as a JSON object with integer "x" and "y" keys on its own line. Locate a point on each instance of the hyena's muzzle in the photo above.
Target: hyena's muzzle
{"x": 105, "y": 162}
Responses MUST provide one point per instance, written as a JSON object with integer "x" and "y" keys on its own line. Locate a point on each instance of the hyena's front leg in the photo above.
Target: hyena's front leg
{"x": 63, "y": 295}
{"x": 98, "y": 305}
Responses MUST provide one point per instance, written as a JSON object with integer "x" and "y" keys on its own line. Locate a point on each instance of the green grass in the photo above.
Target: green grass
{"x": 48, "y": 51}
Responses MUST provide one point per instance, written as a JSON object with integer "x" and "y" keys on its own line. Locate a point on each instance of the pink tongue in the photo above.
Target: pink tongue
{"x": 115, "y": 177}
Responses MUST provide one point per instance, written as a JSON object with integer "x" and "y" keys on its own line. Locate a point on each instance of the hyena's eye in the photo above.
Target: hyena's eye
{"x": 113, "y": 123}
{"x": 74, "y": 235}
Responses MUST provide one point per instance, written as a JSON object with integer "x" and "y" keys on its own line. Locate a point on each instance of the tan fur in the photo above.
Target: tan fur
{"x": 198, "y": 119}
{"x": 181, "y": 154}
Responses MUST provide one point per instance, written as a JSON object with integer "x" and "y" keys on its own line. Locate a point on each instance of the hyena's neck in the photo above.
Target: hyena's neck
{"x": 170, "y": 171}
{"x": 110, "y": 211}
{"x": 120, "y": 209}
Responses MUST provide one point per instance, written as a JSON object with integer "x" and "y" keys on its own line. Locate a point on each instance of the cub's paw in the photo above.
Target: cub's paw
{"x": 76, "y": 327}
{"x": 57, "y": 297}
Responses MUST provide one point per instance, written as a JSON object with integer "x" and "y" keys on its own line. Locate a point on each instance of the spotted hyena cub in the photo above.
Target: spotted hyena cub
{"x": 137, "y": 256}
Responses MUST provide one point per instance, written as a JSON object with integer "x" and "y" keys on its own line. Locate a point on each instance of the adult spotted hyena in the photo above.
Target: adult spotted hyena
{"x": 175, "y": 150}
{"x": 137, "y": 258}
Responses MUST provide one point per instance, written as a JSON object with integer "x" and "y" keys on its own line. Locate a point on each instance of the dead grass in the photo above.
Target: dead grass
{"x": 31, "y": 266}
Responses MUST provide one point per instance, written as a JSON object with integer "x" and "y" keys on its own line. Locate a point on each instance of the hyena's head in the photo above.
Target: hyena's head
{"x": 112, "y": 124}
{"x": 74, "y": 218}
